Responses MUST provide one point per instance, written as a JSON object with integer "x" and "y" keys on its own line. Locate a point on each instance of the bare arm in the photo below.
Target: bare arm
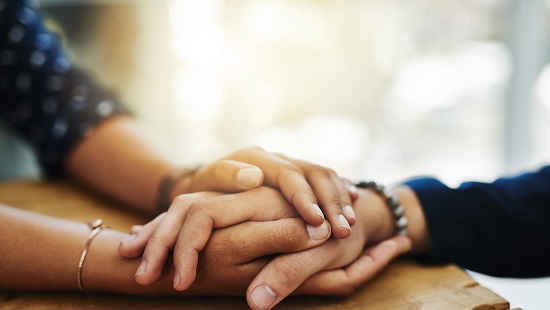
{"x": 41, "y": 253}
{"x": 118, "y": 161}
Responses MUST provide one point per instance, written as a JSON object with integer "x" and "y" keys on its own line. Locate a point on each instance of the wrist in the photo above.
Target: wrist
{"x": 377, "y": 218}
{"x": 418, "y": 230}
{"x": 106, "y": 271}
{"x": 173, "y": 184}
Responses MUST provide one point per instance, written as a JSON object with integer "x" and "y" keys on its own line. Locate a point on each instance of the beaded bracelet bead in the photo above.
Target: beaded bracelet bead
{"x": 393, "y": 204}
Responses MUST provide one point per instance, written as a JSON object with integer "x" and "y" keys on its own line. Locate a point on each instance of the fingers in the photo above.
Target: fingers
{"x": 332, "y": 194}
{"x": 226, "y": 176}
{"x": 134, "y": 245}
{"x": 334, "y": 199}
{"x": 161, "y": 242}
{"x": 286, "y": 272}
{"x": 283, "y": 275}
{"x": 262, "y": 204}
{"x": 280, "y": 173}
{"x": 249, "y": 241}
{"x": 135, "y": 229}
{"x": 344, "y": 281}
{"x": 233, "y": 256}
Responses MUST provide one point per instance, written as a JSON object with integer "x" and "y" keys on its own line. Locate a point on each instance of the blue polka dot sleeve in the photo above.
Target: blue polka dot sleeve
{"x": 43, "y": 97}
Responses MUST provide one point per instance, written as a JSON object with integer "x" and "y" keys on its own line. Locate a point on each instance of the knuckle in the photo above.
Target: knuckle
{"x": 249, "y": 150}
{"x": 286, "y": 238}
{"x": 331, "y": 172}
{"x": 199, "y": 211}
{"x": 318, "y": 169}
{"x": 290, "y": 272}
{"x": 290, "y": 172}
{"x": 182, "y": 200}
{"x": 256, "y": 149}
{"x": 159, "y": 242}
{"x": 334, "y": 201}
{"x": 194, "y": 209}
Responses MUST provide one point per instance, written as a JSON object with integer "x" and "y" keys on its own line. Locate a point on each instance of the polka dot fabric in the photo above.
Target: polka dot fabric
{"x": 43, "y": 97}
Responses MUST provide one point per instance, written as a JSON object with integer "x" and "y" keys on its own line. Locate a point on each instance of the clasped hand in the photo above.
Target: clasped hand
{"x": 254, "y": 241}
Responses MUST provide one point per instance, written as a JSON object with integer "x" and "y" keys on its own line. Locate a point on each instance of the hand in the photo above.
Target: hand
{"x": 313, "y": 271}
{"x": 235, "y": 255}
{"x": 314, "y": 191}
{"x": 187, "y": 225}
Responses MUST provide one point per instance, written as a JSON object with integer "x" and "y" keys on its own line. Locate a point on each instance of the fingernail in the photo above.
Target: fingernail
{"x": 136, "y": 228}
{"x": 177, "y": 278}
{"x": 348, "y": 210}
{"x": 131, "y": 238}
{"x": 343, "y": 221}
{"x": 249, "y": 177}
{"x": 320, "y": 232}
{"x": 141, "y": 268}
{"x": 318, "y": 210}
{"x": 263, "y": 296}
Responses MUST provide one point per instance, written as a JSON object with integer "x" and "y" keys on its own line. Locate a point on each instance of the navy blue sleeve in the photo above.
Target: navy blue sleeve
{"x": 500, "y": 229}
{"x": 43, "y": 97}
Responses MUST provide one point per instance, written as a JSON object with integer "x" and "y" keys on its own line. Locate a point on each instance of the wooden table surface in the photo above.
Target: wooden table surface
{"x": 403, "y": 285}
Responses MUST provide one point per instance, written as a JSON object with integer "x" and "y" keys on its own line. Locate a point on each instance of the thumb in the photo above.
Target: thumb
{"x": 227, "y": 176}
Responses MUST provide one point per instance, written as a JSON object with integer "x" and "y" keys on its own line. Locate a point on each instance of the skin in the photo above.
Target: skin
{"x": 201, "y": 213}
{"x": 107, "y": 161}
{"x": 336, "y": 267}
{"x": 313, "y": 268}
{"x": 228, "y": 263}
{"x": 59, "y": 243}
{"x": 117, "y": 161}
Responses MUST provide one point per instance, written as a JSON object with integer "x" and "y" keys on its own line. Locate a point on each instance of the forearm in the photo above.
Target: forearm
{"x": 42, "y": 253}
{"x": 39, "y": 252}
{"x": 117, "y": 161}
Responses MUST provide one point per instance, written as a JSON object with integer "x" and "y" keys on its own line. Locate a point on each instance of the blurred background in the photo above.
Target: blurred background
{"x": 382, "y": 89}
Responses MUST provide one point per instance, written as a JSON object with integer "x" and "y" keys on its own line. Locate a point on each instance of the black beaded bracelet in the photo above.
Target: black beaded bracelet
{"x": 392, "y": 202}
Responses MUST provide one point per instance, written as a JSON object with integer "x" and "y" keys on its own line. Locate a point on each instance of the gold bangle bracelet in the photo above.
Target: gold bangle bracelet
{"x": 96, "y": 227}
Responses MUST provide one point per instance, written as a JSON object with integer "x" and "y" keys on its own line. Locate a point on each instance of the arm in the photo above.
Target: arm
{"x": 339, "y": 267}
{"x": 286, "y": 272}
{"x": 201, "y": 212}
{"x": 227, "y": 265}
{"x": 76, "y": 126}
{"x": 80, "y": 128}
{"x": 499, "y": 228}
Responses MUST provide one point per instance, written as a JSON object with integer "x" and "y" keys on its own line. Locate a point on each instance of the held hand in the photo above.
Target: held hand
{"x": 234, "y": 255}
{"x": 187, "y": 226}
{"x": 315, "y": 191}
{"x": 313, "y": 271}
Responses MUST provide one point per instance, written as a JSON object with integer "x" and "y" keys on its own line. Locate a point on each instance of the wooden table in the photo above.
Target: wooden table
{"x": 403, "y": 285}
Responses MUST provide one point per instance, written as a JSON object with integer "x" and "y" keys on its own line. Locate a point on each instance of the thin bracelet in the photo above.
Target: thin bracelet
{"x": 393, "y": 204}
{"x": 96, "y": 227}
